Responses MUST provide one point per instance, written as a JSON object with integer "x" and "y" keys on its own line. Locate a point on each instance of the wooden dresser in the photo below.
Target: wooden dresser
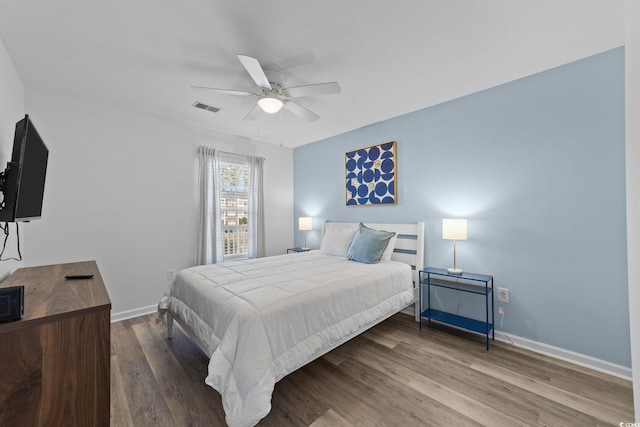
{"x": 55, "y": 361}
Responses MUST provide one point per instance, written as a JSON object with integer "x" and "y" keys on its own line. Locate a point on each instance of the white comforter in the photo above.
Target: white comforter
{"x": 262, "y": 319}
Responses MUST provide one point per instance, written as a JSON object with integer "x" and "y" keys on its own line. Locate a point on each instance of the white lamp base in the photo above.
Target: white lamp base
{"x": 454, "y": 270}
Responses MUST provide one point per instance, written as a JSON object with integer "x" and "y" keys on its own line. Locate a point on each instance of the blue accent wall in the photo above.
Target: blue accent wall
{"x": 537, "y": 166}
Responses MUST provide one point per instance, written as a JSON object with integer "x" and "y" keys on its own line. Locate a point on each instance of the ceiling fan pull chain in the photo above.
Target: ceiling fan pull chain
{"x": 281, "y": 113}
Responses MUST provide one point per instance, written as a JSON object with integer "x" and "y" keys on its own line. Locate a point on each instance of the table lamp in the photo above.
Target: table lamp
{"x": 454, "y": 229}
{"x": 305, "y": 223}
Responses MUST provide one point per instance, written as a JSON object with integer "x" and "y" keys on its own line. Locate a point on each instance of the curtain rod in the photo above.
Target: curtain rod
{"x": 227, "y": 152}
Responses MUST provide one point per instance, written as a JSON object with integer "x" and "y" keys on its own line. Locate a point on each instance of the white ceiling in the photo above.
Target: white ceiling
{"x": 390, "y": 57}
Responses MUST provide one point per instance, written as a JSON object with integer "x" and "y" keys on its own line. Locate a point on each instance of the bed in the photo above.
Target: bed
{"x": 260, "y": 319}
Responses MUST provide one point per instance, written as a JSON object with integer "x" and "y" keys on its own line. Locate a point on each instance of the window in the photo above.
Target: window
{"x": 231, "y": 214}
{"x": 234, "y": 202}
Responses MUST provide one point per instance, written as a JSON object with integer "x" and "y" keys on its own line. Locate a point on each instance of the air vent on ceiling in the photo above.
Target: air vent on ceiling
{"x": 206, "y": 107}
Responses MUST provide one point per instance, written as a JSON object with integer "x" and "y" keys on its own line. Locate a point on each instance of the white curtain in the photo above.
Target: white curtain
{"x": 209, "y": 248}
{"x": 256, "y": 208}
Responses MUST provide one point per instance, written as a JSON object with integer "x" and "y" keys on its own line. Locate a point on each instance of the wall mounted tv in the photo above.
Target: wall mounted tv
{"x": 22, "y": 182}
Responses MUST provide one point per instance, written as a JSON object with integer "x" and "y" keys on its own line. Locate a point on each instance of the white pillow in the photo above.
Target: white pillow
{"x": 388, "y": 252}
{"x": 336, "y": 240}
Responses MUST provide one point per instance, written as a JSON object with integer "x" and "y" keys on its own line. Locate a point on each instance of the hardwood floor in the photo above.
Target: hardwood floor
{"x": 392, "y": 375}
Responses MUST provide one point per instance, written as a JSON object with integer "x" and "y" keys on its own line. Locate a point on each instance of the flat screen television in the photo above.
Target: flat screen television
{"x": 22, "y": 182}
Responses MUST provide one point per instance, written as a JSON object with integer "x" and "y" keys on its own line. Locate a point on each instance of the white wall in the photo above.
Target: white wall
{"x": 632, "y": 95}
{"x": 11, "y": 110}
{"x": 122, "y": 189}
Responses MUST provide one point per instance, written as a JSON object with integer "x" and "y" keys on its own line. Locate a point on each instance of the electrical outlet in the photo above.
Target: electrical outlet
{"x": 171, "y": 274}
{"x": 501, "y": 310}
{"x": 503, "y": 295}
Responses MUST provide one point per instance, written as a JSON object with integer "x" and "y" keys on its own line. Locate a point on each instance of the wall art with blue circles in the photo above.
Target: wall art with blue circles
{"x": 371, "y": 175}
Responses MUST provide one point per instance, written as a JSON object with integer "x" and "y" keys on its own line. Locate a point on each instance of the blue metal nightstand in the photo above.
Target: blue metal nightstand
{"x": 479, "y": 284}
{"x": 290, "y": 250}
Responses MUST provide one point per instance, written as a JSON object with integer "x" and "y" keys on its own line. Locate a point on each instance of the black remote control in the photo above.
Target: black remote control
{"x": 78, "y": 276}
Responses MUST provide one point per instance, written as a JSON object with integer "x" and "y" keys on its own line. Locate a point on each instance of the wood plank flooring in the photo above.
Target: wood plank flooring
{"x": 392, "y": 375}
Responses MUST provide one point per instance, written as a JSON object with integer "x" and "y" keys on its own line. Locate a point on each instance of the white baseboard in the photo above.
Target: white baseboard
{"x": 128, "y": 314}
{"x": 567, "y": 355}
{"x": 409, "y": 310}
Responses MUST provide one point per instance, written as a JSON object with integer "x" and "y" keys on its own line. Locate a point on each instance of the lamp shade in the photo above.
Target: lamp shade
{"x": 305, "y": 223}
{"x": 270, "y": 104}
{"x": 454, "y": 229}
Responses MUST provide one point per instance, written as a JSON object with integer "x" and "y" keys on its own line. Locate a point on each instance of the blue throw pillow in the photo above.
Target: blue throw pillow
{"x": 368, "y": 245}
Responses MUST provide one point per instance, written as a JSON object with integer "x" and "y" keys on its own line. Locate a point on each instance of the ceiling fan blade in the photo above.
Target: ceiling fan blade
{"x": 255, "y": 70}
{"x": 315, "y": 89}
{"x": 253, "y": 114}
{"x": 300, "y": 110}
{"x": 224, "y": 91}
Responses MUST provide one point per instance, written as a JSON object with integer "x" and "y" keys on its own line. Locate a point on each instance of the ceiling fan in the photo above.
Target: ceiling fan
{"x": 272, "y": 94}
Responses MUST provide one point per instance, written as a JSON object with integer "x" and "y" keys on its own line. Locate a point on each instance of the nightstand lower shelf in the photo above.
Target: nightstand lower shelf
{"x": 459, "y": 321}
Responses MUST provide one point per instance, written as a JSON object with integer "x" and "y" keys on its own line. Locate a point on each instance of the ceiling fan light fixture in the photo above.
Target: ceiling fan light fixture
{"x": 270, "y": 103}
